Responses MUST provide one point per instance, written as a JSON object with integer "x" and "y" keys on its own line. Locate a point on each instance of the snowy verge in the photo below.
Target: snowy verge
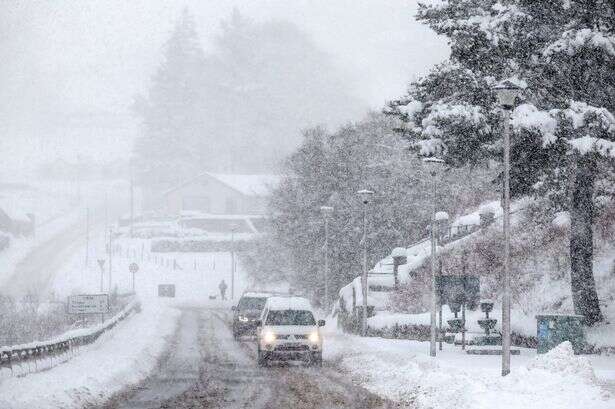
{"x": 402, "y": 370}
{"x": 20, "y": 247}
{"x": 123, "y": 356}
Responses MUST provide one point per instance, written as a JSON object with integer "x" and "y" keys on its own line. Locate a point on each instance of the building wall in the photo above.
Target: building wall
{"x": 209, "y": 195}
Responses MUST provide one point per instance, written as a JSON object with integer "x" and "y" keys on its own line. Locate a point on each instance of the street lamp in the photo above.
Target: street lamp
{"x": 365, "y": 196}
{"x": 233, "y": 230}
{"x": 433, "y": 164}
{"x": 326, "y": 211}
{"x": 507, "y": 92}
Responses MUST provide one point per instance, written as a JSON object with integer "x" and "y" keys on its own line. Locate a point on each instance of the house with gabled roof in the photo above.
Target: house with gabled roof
{"x": 217, "y": 194}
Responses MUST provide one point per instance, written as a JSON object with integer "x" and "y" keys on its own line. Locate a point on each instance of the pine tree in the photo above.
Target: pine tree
{"x": 565, "y": 52}
{"x": 172, "y": 111}
{"x": 329, "y": 169}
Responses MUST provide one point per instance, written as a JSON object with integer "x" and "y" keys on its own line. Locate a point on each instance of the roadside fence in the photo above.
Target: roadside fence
{"x": 41, "y": 355}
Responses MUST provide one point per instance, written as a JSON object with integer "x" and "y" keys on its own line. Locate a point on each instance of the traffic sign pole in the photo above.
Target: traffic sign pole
{"x": 101, "y": 263}
{"x": 133, "y": 268}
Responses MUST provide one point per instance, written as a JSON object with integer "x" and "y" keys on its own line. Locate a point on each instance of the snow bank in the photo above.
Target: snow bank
{"x": 561, "y": 360}
{"x": 77, "y": 333}
{"x": 116, "y": 359}
{"x": 523, "y": 323}
{"x": 403, "y": 371}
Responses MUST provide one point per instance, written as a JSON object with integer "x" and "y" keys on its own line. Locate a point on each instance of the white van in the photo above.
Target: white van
{"x": 287, "y": 330}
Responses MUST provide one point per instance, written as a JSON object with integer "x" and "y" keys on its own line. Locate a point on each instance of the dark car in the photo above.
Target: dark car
{"x": 247, "y": 313}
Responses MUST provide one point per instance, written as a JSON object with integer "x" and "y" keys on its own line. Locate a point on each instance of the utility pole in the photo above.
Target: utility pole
{"x": 101, "y": 264}
{"x": 233, "y": 262}
{"x": 365, "y": 196}
{"x": 87, "y": 236}
{"x": 434, "y": 306}
{"x": 132, "y": 202}
{"x": 326, "y": 212}
{"x": 110, "y": 257}
{"x": 507, "y": 92}
{"x": 506, "y": 296}
{"x": 433, "y": 163}
{"x": 106, "y": 212}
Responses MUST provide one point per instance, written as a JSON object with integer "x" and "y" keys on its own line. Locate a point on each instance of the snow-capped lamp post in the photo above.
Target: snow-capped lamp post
{"x": 365, "y": 197}
{"x": 507, "y": 93}
{"x": 327, "y": 212}
{"x": 433, "y": 164}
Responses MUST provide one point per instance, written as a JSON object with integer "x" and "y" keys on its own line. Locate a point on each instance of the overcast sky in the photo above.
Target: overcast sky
{"x": 70, "y": 69}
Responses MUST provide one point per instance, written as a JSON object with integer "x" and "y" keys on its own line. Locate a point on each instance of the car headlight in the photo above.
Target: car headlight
{"x": 269, "y": 337}
{"x": 242, "y": 318}
{"x": 314, "y": 337}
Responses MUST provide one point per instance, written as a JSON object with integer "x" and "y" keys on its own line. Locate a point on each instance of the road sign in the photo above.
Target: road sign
{"x": 101, "y": 262}
{"x": 88, "y": 304}
{"x": 133, "y": 267}
{"x": 166, "y": 290}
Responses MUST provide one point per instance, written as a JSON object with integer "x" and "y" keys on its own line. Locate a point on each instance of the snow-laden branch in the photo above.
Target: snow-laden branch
{"x": 496, "y": 23}
{"x": 448, "y": 113}
{"x": 528, "y": 117}
{"x": 430, "y": 147}
{"x": 572, "y": 41}
{"x": 582, "y": 114}
{"x": 587, "y": 144}
{"x": 582, "y": 117}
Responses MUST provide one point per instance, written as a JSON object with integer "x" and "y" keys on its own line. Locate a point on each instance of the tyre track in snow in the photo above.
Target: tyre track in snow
{"x": 179, "y": 368}
{"x": 206, "y": 368}
{"x": 230, "y": 378}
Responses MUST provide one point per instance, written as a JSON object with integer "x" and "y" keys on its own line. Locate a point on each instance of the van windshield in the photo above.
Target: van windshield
{"x": 290, "y": 317}
{"x": 252, "y": 303}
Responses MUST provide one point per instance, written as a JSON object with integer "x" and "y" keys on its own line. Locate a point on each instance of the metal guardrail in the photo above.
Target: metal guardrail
{"x": 65, "y": 344}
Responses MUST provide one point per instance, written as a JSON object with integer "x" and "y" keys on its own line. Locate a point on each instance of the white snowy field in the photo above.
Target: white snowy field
{"x": 196, "y": 276}
{"x": 402, "y": 370}
{"x": 59, "y": 209}
{"x": 118, "y": 358}
{"x": 21, "y": 246}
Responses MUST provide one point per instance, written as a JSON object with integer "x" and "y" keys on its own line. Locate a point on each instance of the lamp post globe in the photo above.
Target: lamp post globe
{"x": 365, "y": 195}
{"x": 507, "y": 92}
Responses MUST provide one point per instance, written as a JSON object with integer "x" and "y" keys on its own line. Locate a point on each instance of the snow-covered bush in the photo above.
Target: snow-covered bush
{"x": 540, "y": 262}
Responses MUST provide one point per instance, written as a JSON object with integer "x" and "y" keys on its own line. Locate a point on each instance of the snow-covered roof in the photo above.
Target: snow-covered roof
{"x": 289, "y": 303}
{"x": 249, "y": 185}
{"x": 256, "y": 294}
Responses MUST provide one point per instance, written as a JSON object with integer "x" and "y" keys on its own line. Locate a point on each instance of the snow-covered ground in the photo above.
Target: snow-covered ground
{"x": 402, "y": 370}
{"x": 118, "y": 358}
{"x": 196, "y": 276}
{"x": 57, "y": 207}
{"x": 21, "y": 246}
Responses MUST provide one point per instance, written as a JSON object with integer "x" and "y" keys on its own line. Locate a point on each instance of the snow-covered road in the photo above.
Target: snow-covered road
{"x": 222, "y": 373}
{"x": 34, "y": 273}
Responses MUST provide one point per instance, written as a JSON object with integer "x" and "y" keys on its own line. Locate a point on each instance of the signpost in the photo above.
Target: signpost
{"x": 166, "y": 290}
{"x": 89, "y": 304}
{"x": 133, "y": 268}
{"x": 101, "y": 263}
